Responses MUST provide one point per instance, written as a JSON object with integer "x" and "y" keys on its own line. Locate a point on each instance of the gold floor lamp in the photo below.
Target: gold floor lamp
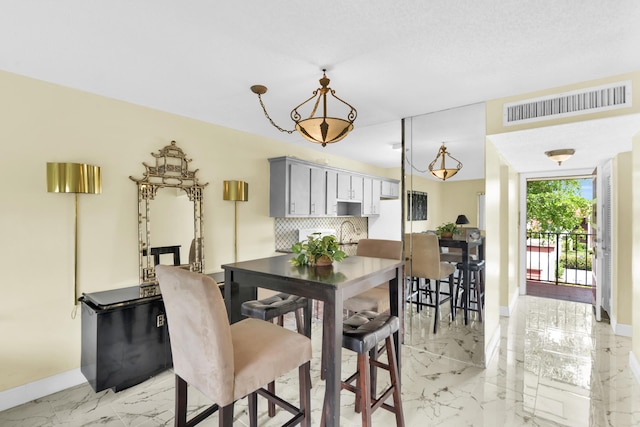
{"x": 74, "y": 178}
{"x": 236, "y": 191}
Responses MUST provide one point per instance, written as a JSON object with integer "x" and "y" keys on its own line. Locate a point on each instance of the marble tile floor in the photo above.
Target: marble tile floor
{"x": 555, "y": 366}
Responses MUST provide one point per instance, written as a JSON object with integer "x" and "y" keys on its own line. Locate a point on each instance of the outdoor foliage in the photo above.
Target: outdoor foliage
{"x": 579, "y": 262}
{"x": 556, "y": 206}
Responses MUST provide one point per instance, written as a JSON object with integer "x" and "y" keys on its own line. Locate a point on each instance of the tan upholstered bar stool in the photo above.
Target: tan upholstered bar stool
{"x": 275, "y": 308}
{"x": 374, "y": 299}
{"x": 425, "y": 264}
{"x": 227, "y": 362}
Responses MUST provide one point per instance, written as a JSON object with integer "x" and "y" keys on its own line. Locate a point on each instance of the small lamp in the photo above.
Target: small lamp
{"x": 74, "y": 178}
{"x": 561, "y": 155}
{"x": 462, "y": 219}
{"x": 235, "y": 191}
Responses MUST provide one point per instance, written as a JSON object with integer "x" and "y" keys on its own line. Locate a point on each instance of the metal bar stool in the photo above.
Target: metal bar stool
{"x": 361, "y": 333}
{"x": 275, "y": 307}
{"x": 475, "y": 288}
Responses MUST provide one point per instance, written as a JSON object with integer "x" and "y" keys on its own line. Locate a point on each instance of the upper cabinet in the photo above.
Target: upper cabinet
{"x": 349, "y": 187}
{"x": 371, "y": 196}
{"x": 390, "y": 189}
{"x": 296, "y": 188}
{"x": 299, "y": 188}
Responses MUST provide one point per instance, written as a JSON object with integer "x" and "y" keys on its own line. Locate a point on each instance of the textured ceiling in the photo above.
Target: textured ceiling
{"x": 390, "y": 60}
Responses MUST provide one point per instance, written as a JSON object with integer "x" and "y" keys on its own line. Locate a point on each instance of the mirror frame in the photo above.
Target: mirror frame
{"x": 171, "y": 170}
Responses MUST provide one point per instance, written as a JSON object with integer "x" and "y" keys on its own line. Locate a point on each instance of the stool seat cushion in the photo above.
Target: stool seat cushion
{"x": 272, "y": 307}
{"x": 278, "y": 348}
{"x": 473, "y": 266}
{"x": 364, "y": 330}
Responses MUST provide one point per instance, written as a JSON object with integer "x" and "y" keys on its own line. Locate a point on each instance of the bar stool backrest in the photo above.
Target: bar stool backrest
{"x": 425, "y": 256}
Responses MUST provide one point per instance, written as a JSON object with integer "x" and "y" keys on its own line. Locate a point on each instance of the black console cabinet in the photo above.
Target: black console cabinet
{"x": 125, "y": 339}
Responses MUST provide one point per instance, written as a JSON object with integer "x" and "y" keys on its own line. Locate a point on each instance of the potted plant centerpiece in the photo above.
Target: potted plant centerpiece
{"x": 447, "y": 230}
{"x": 317, "y": 250}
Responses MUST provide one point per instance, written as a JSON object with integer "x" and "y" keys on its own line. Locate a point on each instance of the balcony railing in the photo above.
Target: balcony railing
{"x": 560, "y": 258}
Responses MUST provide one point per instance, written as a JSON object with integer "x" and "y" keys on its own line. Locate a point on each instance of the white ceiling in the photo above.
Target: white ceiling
{"x": 390, "y": 60}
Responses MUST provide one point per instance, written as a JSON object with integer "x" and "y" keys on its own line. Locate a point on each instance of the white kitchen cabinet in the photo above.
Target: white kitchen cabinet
{"x": 297, "y": 188}
{"x": 390, "y": 189}
{"x": 332, "y": 192}
{"x": 350, "y": 187}
{"x": 371, "y": 196}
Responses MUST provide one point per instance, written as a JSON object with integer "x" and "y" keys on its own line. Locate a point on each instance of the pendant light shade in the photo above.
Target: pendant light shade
{"x": 438, "y": 166}
{"x": 318, "y": 126}
{"x": 561, "y": 155}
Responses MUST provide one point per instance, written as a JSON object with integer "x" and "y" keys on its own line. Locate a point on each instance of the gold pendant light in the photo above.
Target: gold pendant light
{"x": 442, "y": 171}
{"x": 321, "y": 129}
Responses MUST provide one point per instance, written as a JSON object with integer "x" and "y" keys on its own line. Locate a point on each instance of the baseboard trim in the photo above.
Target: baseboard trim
{"x": 506, "y": 311}
{"x": 623, "y": 330}
{"x": 492, "y": 346}
{"x": 37, "y": 389}
{"x": 634, "y": 364}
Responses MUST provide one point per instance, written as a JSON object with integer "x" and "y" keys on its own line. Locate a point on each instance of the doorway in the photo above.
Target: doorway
{"x": 560, "y": 238}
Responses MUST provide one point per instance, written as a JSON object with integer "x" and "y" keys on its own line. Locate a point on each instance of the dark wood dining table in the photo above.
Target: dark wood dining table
{"x": 331, "y": 285}
{"x": 465, "y": 245}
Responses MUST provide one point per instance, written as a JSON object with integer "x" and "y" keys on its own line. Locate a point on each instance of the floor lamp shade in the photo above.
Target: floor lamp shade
{"x": 236, "y": 191}
{"x": 73, "y": 178}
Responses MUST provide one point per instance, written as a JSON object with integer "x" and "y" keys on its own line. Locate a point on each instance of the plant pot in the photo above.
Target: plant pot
{"x": 323, "y": 261}
{"x": 446, "y": 235}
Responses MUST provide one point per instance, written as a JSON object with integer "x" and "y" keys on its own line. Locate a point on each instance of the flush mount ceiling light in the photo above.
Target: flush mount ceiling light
{"x": 442, "y": 171}
{"x": 320, "y": 129}
{"x": 560, "y": 156}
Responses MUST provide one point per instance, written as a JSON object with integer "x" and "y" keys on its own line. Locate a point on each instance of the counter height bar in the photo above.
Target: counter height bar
{"x": 332, "y": 285}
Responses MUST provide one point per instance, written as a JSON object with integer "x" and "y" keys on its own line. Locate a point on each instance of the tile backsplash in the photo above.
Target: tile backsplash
{"x": 286, "y": 229}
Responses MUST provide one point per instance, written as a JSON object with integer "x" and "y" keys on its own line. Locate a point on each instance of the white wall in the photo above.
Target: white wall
{"x": 388, "y": 224}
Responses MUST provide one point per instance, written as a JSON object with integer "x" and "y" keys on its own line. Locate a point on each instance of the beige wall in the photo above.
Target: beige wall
{"x": 622, "y": 240}
{"x": 446, "y": 200}
{"x": 494, "y": 107}
{"x": 513, "y": 212}
{"x": 42, "y": 123}
{"x": 433, "y": 189}
{"x": 460, "y": 197}
{"x": 493, "y": 243}
{"x": 635, "y": 227}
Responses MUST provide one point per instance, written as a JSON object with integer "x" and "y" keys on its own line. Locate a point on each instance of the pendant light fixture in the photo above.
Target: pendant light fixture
{"x": 561, "y": 155}
{"x": 438, "y": 167}
{"x": 317, "y": 127}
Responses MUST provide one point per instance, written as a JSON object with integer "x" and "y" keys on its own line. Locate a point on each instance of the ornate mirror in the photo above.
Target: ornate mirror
{"x": 171, "y": 172}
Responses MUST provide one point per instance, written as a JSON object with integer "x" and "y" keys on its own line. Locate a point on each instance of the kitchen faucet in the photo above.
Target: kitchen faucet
{"x": 353, "y": 228}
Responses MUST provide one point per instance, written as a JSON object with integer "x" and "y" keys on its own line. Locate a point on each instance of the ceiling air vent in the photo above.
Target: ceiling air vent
{"x": 583, "y": 101}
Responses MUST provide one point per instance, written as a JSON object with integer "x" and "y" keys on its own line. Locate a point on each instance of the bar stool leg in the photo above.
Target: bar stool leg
{"x": 364, "y": 389}
{"x": 395, "y": 381}
{"x": 437, "y": 312}
{"x": 452, "y": 299}
{"x": 479, "y": 294}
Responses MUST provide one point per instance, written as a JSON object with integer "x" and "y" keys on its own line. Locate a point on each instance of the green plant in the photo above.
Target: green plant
{"x": 579, "y": 262}
{"x": 446, "y": 228}
{"x": 315, "y": 247}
